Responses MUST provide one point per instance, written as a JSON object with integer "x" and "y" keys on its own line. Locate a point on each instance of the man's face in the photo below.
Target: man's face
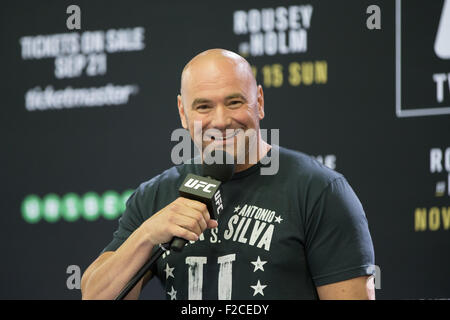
{"x": 221, "y": 96}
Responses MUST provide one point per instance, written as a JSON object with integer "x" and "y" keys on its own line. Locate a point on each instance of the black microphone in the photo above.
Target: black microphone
{"x": 218, "y": 168}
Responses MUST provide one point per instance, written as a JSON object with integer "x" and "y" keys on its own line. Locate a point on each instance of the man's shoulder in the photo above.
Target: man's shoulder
{"x": 169, "y": 178}
{"x": 305, "y": 168}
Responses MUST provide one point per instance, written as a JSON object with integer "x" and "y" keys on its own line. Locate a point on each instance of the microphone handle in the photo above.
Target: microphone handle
{"x": 177, "y": 244}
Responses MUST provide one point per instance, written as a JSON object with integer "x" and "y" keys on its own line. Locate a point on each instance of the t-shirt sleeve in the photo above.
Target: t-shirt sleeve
{"x": 137, "y": 205}
{"x": 338, "y": 242}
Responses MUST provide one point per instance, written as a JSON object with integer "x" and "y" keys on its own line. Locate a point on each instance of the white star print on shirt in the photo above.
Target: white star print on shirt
{"x": 169, "y": 271}
{"x": 278, "y": 219}
{"x": 172, "y": 294}
{"x": 236, "y": 209}
{"x": 258, "y": 288}
{"x": 258, "y": 264}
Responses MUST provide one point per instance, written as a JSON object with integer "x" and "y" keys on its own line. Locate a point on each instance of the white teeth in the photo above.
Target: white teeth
{"x": 227, "y": 137}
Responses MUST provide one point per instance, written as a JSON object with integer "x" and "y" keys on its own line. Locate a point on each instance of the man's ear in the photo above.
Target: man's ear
{"x": 260, "y": 100}
{"x": 183, "y": 117}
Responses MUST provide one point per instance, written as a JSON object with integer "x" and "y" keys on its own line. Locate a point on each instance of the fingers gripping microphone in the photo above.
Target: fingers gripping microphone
{"x": 217, "y": 169}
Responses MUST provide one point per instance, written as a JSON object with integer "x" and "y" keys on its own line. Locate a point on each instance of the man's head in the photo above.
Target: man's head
{"x": 219, "y": 90}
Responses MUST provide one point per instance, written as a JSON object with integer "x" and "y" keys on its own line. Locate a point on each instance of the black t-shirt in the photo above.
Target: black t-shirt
{"x": 279, "y": 236}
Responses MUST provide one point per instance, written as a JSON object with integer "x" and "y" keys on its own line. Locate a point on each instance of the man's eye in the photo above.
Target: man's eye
{"x": 235, "y": 102}
{"x": 202, "y": 107}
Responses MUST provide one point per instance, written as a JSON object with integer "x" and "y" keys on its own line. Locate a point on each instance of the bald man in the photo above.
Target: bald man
{"x": 298, "y": 234}
{"x": 218, "y": 76}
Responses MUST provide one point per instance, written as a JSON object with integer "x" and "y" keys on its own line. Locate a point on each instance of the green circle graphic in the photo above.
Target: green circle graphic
{"x": 111, "y": 205}
{"x": 31, "y": 208}
{"x": 71, "y": 207}
{"x": 91, "y": 206}
{"x": 50, "y": 206}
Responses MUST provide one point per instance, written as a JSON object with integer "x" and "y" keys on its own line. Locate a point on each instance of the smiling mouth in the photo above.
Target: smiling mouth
{"x": 229, "y": 136}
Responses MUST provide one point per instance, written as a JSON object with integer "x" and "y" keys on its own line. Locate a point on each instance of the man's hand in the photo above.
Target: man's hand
{"x": 183, "y": 218}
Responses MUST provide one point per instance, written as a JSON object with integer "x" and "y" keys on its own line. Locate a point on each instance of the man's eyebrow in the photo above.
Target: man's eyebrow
{"x": 229, "y": 97}
{"x": 235, "y": 95}
{"x": 200, "y": 100}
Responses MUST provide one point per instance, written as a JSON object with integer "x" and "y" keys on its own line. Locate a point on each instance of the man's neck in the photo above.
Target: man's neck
{"x": 263, "y": 149}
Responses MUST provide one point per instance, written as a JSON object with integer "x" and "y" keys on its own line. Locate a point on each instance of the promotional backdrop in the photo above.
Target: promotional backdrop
{"x": 87, "y": 115}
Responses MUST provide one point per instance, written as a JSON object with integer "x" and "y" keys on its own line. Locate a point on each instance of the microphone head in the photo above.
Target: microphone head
{"x": 218, "y": 165}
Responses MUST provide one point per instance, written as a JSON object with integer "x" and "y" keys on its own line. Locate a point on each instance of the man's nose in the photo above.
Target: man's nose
{"x": 221, "y": 118}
